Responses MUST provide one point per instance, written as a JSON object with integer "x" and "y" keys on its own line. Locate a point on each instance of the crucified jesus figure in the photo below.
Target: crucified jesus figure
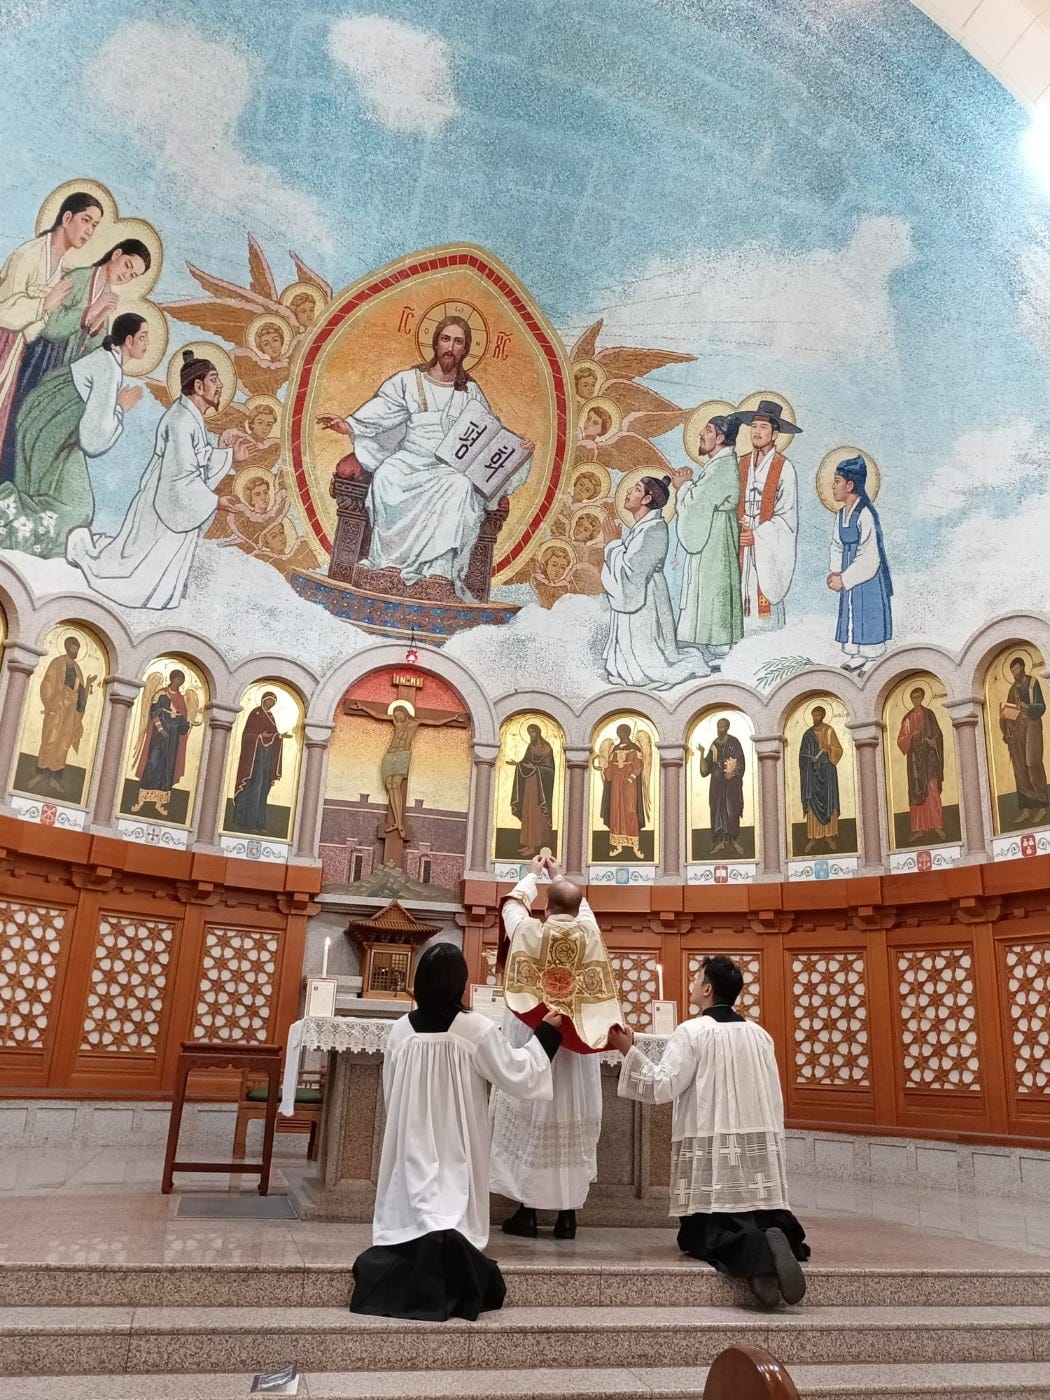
{"x": 406, "y": 722}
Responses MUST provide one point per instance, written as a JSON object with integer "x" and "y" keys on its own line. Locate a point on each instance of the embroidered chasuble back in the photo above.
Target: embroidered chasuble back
{"x": 561, "y": 965}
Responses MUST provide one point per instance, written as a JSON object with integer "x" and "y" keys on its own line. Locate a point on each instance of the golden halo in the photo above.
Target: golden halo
{"x": 112, "y": 236}
{"x": 588, "y": 512}
{"x": 601, "y": 374}
{"x": 244, "y": 478}
{"x": 625, "y": 485}
{"x": 608, "y": 406}
{"x": 826, "y": 474}
{"x": 48, "y": 212}
{"x": 401, "y": 705}
{"x": 257, "y": 401}
{"x": 597, "y": 470}
{"x": 558, "y": 545}
{"x": 479, "y": 331}
{"x": 697, "y": 422}
{"x": 1033, "y": 660}
{"x": 298, "y": 289}
{"x": 157, "y": 324}
{"x": 266, "y": 318}
{"x": 782, "y": 440}
{"x": 220, "y": 358}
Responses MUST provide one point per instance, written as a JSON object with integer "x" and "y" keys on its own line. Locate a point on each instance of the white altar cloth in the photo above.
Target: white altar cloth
{"x": 362, "y": 1035}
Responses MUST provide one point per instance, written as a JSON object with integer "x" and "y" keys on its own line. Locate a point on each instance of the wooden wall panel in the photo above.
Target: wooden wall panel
{"x": 111, "y": 954}
{"x": 913, "y": 1005}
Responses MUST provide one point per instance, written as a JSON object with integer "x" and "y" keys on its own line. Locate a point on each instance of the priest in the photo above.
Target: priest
{"x": 544, "y": 1152}
{"x": 432, "y": 1200}
{"x": 728, "y": 1177}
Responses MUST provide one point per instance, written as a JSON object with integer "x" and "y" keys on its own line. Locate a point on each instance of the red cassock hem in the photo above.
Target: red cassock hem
{"x": 569, "y": 1038}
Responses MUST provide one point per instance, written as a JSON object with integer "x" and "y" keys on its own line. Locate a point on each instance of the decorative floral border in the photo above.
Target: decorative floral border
{"x": 174, "y": 838}
{"x": 32, "y": 809}
{"x": 247, "y": 848}
{"x": 729, "y": 872}
{"x": 622, "y": 874}
{"x": 925, "y": 859}
{"x": 824, "y": 868}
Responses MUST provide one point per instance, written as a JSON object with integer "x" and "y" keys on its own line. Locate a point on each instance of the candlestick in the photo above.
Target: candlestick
{"x": 660, "y": 982}
{"x": 324, "y": 960}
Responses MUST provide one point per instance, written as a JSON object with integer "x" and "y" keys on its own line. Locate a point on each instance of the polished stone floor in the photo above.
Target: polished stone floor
{"x": 83, "y": 1204}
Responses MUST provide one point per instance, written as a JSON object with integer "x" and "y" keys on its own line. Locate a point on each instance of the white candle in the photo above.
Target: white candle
{"x": 660, "y": 982}
{"x": 324, "y": 960}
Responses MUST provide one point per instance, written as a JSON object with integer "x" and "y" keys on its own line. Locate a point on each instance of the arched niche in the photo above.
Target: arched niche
{"x": 721, "y": 786}
{"x": 529, "y": 804}
{"x": 262, "y": 773}
{"x": 625, "y": 792}
{"x": 820, "y": 779}
{"x": 1015, "y": 722}
{"x": 162, "y": 760}
{"x": 397, "y": 793}
{"x": 922, "y": 775}
{"x": 61, "y": 721}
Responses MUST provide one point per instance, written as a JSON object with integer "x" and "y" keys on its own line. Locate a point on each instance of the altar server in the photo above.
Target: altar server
{"x": 544, "y": 1153}
{"x": 728, "y": 1177}
{"x": 432, "y": 1200}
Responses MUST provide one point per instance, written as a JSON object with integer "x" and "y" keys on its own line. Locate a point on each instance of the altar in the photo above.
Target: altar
{"x": 633, "y": 1152}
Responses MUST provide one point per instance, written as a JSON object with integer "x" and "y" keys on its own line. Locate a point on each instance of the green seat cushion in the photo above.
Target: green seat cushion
{"x": 258, "y": 1095}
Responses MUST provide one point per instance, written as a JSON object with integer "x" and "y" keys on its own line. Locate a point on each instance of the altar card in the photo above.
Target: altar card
{"x": 479, "y": 446}
{"x": 488, "y": 1001}
{"x": 663, "y": 1017}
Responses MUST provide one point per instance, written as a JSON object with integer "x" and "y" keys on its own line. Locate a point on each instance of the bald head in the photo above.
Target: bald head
{"x": 563, "y": 897}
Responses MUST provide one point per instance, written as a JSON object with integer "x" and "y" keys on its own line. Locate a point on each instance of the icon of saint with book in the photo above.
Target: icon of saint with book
{"x": 439, "y": 457}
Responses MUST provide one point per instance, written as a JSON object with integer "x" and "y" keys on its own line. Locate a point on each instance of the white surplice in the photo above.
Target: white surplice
{"x": 545, "y": 1154}
{"x": 769, "y": 564}
{"x": 642, "y": 648}
{"x": 434, "y": 1168}
{"x": 425, "y": 515}
{"x": 727, "y": 1128}
{"x": 146, "y": 564}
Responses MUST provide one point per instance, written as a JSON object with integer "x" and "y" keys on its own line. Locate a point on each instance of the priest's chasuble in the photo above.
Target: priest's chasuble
{"x": 558, "y": 965}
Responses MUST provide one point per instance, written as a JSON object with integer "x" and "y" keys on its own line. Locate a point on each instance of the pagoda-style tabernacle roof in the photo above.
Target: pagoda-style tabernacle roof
{"x": 391, "y": 924}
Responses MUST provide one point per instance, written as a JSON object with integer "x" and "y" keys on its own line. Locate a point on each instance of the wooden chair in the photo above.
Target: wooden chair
{"x": 264, "y": 1060}
{"x": 748, "y": 1373}
{"x": 309, "y": 1102}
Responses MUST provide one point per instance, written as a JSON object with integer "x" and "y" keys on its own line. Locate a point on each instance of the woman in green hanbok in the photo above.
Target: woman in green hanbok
{"x": 74, "y": 327}
{"x": 75, "y": 413}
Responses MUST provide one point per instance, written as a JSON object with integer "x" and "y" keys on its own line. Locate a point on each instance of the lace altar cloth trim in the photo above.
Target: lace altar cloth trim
{"x": 361, "y": 1036}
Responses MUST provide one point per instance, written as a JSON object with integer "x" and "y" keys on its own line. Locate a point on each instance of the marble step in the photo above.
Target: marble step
{"x": 58, "y": 1341}
{"x": 543, "y": 1284}
{"x": 1000, "y": 1380}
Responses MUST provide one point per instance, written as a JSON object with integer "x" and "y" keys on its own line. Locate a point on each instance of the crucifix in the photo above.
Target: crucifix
{"x": 406, "y": 720}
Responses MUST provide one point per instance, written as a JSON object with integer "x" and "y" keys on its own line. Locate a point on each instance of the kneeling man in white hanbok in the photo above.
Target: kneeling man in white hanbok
{"x": 544, "y": 1154}
{"x": 728, "y": 1178}
{"x": 146, "y": 564}
{"x": 432, "y": 1199}
{"x": 643, "y": 648}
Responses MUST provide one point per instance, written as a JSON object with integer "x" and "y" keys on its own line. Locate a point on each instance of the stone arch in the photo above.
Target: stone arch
{"x": 335, "y": 685}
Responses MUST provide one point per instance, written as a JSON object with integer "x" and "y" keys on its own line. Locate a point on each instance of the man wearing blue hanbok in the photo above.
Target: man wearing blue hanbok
{"x": 860, "y": 572}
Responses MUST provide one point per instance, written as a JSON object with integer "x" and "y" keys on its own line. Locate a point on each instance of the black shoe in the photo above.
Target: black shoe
{"x": 522, "y": 1222}
{"x": 766, "y": 1290}
{"x": 790, "y": 1277}
{"x": 565, "y": 1225}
